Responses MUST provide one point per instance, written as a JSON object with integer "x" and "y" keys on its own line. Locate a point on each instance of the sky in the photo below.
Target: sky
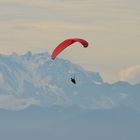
{"x": 110, "y": 26}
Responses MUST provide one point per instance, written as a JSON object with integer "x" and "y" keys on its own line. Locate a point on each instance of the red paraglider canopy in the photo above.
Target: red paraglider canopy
{"x": 64, "y": 44}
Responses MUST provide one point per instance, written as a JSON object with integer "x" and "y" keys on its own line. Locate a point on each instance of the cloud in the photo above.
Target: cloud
{"x": 10, "y": 102}
{"x": 131, "y": 74}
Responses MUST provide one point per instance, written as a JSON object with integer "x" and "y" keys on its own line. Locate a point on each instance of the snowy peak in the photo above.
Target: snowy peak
{"x": 37, "y": 76}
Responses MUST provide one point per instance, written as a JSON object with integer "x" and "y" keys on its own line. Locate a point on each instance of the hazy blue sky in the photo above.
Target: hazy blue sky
{"x": 112, "y": 28}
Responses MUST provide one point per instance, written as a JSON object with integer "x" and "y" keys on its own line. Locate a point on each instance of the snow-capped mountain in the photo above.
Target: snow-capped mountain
{"x": 49, "y": 106}
{"x": 34, "y": 79}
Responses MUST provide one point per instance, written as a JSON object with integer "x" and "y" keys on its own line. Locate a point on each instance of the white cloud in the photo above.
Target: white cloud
{"x": 131, "y": 74}
{"x": 10, "y": 102}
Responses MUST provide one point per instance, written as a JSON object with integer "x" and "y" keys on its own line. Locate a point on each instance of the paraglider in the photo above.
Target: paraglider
{"x": 66, "y": 43}
{"x": 63, "y": 45}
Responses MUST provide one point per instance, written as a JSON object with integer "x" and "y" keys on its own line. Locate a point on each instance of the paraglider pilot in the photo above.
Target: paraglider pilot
{"x": 73, "y": 80}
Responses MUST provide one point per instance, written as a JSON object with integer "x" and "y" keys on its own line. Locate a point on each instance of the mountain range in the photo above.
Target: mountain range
{"x": 37, "y": 80}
